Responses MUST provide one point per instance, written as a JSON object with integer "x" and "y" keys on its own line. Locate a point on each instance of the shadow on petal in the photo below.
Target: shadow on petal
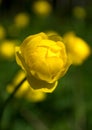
{"x": 41, "y": 85}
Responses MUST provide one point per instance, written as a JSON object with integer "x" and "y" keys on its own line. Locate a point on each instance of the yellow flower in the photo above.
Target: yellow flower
{"x": 79, "y": 12}
{"x": 21, "y": 20}
{"x": 2, "y": 32}
{"x": 78, "y": 50}
{"x": 44, "y": 60}
{"x": 42, "y": 8}
{"x": 25, "y": 91}
{"x": 7, "y": 49}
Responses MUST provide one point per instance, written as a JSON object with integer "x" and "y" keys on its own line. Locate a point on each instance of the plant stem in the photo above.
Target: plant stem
{"x": 9, "y": 99}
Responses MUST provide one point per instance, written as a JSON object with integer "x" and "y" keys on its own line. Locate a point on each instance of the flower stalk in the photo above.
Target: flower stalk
{"x": 8, "y": 100}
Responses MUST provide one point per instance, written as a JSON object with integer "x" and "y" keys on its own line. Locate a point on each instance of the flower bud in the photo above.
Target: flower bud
{"x": 21, "y": 20}
{"x": 42, "y": 8}
{"x": 44, "y": 60}
{"x": 7, "y": 49}
{"x": 79, "y": 12}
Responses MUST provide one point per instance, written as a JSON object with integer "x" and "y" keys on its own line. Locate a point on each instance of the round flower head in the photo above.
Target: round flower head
{"x": 79, "y": 12}
{"x": 77, "y": 49}
{"x": 44, "y": 60}
{"x": 21, "y": 20}
{"x": 42, "y": 8}
{"x": 7, "y": 49}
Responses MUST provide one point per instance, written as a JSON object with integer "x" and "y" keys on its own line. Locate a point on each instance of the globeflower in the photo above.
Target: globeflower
{"x": 42, "y": 8}
{"x": 7, "y": 49}
{"x": 44, "y": 60}
{"x": 78, "y": 50}
{"x": 21, "y": 20}
{"x": 79, "y": 12}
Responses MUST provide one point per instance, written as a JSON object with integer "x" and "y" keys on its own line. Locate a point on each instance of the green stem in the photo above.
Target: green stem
{"x": 9, "y": 99}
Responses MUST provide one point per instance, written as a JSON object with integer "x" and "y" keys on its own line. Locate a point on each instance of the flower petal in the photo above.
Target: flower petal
{"x": 41, "y": 85}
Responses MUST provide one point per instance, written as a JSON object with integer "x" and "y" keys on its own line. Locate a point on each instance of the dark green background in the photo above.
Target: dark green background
{"x": 69, "y": 107}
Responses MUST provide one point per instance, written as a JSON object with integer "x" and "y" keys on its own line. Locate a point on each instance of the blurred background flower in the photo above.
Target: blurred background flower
{"x": 42, "y": 8}
{"x": 78, "y": 50}
{"x": 25, "y": 91}
{"x": 79, "y": 12}
{"x": 7, "y": 49}
{"x": 21, "y": 20}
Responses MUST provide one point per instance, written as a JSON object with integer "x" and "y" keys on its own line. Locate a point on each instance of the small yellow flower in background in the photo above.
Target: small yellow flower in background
{"x": 44, "y": 60}
{"x": 78, "y": 50}
{"x": 21, "y": 20}
{"x": 17, "y": 79}
{"x": 79, "y": 12}
{"x": 42, "y": 8}
{"x": 7, "y": 49}
{"x": 25, "y": 91}
{"x": 2, "y": 32}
